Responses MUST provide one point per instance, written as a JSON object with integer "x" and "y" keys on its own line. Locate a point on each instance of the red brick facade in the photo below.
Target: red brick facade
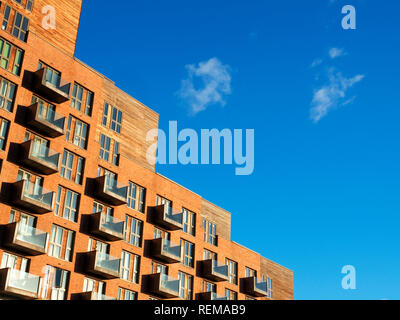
{"x": 55, "y": 48}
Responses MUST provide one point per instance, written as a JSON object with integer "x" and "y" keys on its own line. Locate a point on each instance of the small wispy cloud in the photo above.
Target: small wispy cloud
{"x": 215, "y": 78}
{"x": 336, "y": 53}
{"x": 316, "y": 63}
{"x": 333, "y": 94}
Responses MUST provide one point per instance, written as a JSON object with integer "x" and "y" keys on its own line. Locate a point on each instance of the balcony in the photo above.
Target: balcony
{"x": 32, "y": 197}
{"x": 213, "y": 271}
{"x": 165, "y": 216}
{"x": 56, "y": 92}
{"x": 166, "y": 251}
{"x": 19, "y": 284}
{"x": 94, "y": 296}
{"x": 45, "y": 120}
{"x": 163, "y": 285}
{"x": 39, "y": 158}
{"x": 107, "y": 227}
{"x": 254, "y": 287}
{"x": 103, "y": 265}
{"x": 26, "y": 239}
{"x": 211, "y": 296}
{"x": 110, "y": 191}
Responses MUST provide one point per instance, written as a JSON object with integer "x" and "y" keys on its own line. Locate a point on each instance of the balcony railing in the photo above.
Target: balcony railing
{"x": 163, "y": 285}
{"x": 211, "y": 296}
{"x": 46, "y": 120}
{"x": 39, "y": 158}
{"x": 55, "y": 92}
{"x": 103, "y": 264}
{"x": 111, "y": 191}
{"x": 26, "y": 239}
{"x": 166, "y": 251}
{"x": 167, "y": 217}
{"x": 94, "y": 296}
{"x": 214, "y": 271}
{"x": 254, "y": 287}
{"x": 107, "y": 226}
{"x": 19, "y": 284}
{"x": 32, "y": 197}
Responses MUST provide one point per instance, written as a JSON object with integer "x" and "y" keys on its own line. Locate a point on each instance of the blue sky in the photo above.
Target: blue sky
{"x": 325, "y": 189}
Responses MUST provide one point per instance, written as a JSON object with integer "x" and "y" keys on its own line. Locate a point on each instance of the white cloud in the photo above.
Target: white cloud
{"x": 216, "y": 85}
{"x": 316, "y": 63}
{"x": 336, "y": 52}
{"x": 332, "y": 95}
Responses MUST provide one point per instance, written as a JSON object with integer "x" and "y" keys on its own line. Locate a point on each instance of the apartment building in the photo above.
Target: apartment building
{"x": 83, "y": 213}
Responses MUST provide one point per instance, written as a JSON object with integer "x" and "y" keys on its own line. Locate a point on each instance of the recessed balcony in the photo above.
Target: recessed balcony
{"x": 57, "y": 92}
{"x": 110, "y": 191}
{"x": 167, "y": 217}
{"x": 24, "y": 238}
{"x": 107, "y": 227}
{"x": 19, "y": 284}
{"x": 32, "y": 197}
{"x": 94, "y": 296}
{"x": 211, "y": 296}
{"x": 166, "y": 251}
{"x": 254, "y": 287}
{"x": 39, "y": 158}
{"x": 102, "y": 264}
{"x": 214, "y": 271}
{"x": 163, "y": 285}
{"x": 45, "y": 120}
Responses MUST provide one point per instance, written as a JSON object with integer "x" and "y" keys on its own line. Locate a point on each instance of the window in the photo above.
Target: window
{"x": 161, "y": 200}
{"x": 189, "y": 221}
{"x": 185, "y": 286}
{"x": 29, "y": 5}
{"x": 99, "y": 246}
{"x": 209, "y": 287}
{"x": 210, "y": 232}
{"x": 130, "y": 267}
{"x": 99, "y": 207}
{"x": 125, "y": 294}
{"x": 158, "y": 233}
{"x": 158, "y": 268}
{"x": 10, "y": 57}
{"x": 250, "y": 272}
{"x": 77, "y": 132}
{"x": 72, "y": 167}
{"x": 209, "y": 255}
{"x": 188, "y": 253}
{"x": 54, "y": 283}
{"x": 34, "y": 179}
{"x": 90, "y": 285}
{"x": 136, "y": 197}
{"x": 25, "y": 219}
{"x": 20, "y": 28}
{"x": 61, "y": 242}
{"x": 81, "y": 96}
{"x": 268, "y": 280}
{"x": 112, "y": 118}
{"x": 7, "y": 94}
{"x": 106, "y": 146}
{"x": 232, "y": 271}
{"x": 7, "y": 14}
{"x": 4, "y": 126}
{"x": 46, "y": 110}
{"x": 52, "y": 75}
{"x": 67, "y": 203}
{"x": 230, "y": 295}
{"x": 20, "y": 25}
{"x": 133, "y": 231}
{"x": 14, "y": 262}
